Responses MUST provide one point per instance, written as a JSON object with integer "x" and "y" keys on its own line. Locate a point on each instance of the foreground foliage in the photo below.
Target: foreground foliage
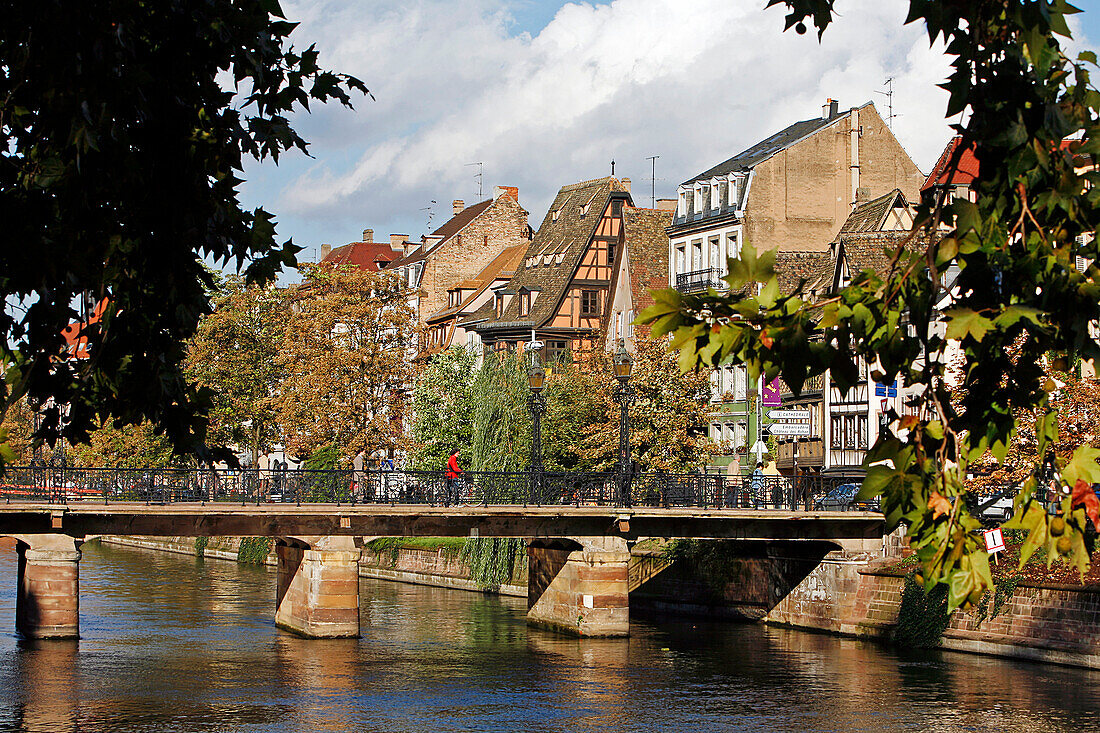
{"x": 1018, "y": 295}
{"x": 125, "y": 127}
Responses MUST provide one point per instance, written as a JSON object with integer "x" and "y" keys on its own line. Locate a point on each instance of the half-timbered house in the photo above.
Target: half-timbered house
{"x": 561, "y": 290}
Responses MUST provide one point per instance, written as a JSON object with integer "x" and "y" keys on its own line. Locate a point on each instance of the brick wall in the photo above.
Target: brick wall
{"x": 464, "y": 255}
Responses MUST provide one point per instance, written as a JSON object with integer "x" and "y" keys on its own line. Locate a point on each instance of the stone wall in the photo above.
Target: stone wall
{"x": 1051, "y": 624}
{"x": 433, "y": 567}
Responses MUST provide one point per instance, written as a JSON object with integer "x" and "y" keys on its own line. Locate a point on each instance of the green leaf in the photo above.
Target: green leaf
{"x": 965, "y": 322}
{"x": 1082, "y": 465}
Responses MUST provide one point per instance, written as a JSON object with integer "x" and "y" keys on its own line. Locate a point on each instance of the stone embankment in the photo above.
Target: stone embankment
{"x": 1054, "y": 623}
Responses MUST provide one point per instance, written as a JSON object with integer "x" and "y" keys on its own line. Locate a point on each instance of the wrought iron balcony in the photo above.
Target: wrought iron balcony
{"x": 698, "y": 280}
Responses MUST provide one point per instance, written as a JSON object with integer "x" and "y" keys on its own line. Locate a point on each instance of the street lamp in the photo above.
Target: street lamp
{"x": 624, "y": 394}
{"x": 536, "y": 403}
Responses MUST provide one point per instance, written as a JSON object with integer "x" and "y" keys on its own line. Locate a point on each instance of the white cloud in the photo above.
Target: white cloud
{"x": 694, "y": 82}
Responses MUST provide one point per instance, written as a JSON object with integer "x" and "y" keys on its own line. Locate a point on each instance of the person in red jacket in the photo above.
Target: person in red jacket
{"x": 453, "y": 472}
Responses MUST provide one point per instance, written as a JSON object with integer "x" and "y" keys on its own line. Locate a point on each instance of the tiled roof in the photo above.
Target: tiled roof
{"x": 647, "y": 242}
{"x": 452, "y": 227}
{"x": 365, "y": 255}
{"x": 871, "y": 216}
{"x": 963, "y": 175}
{"x": 768, "y": 147}
{"x": 868, "y": 250}
{"x": 816, "y": 268}
{"x": 554, "y": 253}
{"x": 503, "y": 263}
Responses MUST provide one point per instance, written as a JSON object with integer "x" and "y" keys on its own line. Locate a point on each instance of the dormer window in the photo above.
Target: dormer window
{"x": 697, "y": 204}
{"x": 554, "y": 214}
{"x": 525, "y": 302}
{"x": 456, "y": 297}
{"x": 499, "y": 304}
{"x": 682, "y": 204}
{"x": 584, "y": 210}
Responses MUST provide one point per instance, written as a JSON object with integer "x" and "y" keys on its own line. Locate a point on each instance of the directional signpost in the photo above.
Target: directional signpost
{"x": 789, "y": 414}
{"x": 785, "y": 428}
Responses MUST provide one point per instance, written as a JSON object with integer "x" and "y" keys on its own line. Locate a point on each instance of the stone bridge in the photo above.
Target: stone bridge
{"x": 578, "y": 555}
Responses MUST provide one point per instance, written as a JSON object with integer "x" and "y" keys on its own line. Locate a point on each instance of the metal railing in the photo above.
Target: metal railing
{"x": 64, "y": 485}
{"x": 697, "y": 280}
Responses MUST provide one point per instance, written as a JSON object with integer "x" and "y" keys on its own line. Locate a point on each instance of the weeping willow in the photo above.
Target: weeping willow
{"x": 502, "y": 425}
{"x": 492, "y": 560}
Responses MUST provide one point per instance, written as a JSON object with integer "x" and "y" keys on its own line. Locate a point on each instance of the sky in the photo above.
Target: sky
{"x": 542, "y": 94}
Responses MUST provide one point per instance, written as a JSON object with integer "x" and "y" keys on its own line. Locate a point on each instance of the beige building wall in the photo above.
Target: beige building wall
{"x": 800, "y": 197}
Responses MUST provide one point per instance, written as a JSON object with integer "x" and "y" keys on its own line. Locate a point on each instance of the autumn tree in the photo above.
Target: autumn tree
{"x": 234, "y": 354}
{"x": 346, "y": 360}
{"x": 669, "y": 419}
{"x": 1028, "y": 285}
{"x": 17, "y": 434}
{"x": 123, "y": 446}
{"x": 124, "y": 131}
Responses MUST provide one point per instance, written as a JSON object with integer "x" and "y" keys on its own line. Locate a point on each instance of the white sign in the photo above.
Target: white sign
{"x": 784, "y": 428}
{"x": 789, "y": 414}
{"x": 994, "y": 540}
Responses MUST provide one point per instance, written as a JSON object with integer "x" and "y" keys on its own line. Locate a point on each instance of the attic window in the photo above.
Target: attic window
{"x": 590, "y": 303}
{"x": 499, "y": 305}
{"x": 554, "y": 214}
{"x": 584, "y": 210}
{"x": 525, "y": 303}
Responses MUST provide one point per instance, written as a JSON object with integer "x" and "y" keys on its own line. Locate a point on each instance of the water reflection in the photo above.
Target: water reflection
{"x": 172, "y": 643}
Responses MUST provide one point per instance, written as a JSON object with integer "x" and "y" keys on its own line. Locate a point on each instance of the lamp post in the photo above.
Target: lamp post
{"x": 624, "y": 395}
{"x": 536, "y": 403}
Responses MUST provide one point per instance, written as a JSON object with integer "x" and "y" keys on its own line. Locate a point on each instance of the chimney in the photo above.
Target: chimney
{"x": 368, "y": 235}
{"x": 863, "y": 195}
{"x": 326, "y": 249}
{"x": 511, "y": 192}
{"x": 398, "y": 240}
{"x": 626, "y": 185}
{"x": 829, "y": 109}
{"x": 458, "y": 206}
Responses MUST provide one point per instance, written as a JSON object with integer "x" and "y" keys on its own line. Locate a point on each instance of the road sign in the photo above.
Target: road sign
{"x": 786, "y": 428}
{"x": 789, "y": 414}
{"x": 994, "y": 540}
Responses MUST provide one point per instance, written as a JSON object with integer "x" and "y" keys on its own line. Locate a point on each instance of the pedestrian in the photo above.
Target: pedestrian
{"x": 758, "y": 482}
{"x": 453, "y": 473}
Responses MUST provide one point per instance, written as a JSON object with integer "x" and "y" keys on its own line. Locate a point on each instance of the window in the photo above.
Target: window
{"x": 715, "y": 255}
{"x": 524, "y": 303}
{"x": 499, "y": 305}
{"x": 557, "y": 350}
{"x": 584, "y": 210}
{"x": 740, "y": 380}
{"x": 734, "y": 189}
{"x": 733, "y": 245}
{"x": 617, "y": 207}
{"x": 849, "y": 431}
{"x": 590, "y": 303}
{"x": 554, "y": 215}
{"x": 681, "y": 259}
{"x": 682, "y": 205}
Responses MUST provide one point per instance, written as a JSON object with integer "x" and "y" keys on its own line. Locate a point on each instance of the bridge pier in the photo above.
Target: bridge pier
{"x": 579, "y": 586}
{"x": 47, "y": 604}
{"x": 317, "y": 588}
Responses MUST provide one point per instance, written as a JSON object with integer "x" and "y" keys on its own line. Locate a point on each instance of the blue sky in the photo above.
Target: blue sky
{"x": 547, "y": 93}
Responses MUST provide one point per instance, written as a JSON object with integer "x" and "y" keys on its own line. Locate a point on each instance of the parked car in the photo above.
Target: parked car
{"x": 998, "y": 511}
{"x": 843, "y": 498}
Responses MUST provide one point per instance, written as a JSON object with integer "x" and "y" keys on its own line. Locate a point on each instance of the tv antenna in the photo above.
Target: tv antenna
{"x": 480, "y": 171}
{"x": 889, "y": 94}
{"x": 431, "y": 213}
{"x": 653, "y": 180}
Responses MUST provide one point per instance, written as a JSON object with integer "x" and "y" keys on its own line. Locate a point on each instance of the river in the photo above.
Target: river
{"x": 174, "y": 643}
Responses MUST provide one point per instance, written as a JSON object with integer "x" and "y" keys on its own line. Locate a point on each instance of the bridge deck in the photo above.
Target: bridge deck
{"x": 81, "y": 519}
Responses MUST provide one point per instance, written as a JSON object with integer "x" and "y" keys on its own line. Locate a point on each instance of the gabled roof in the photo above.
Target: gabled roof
{"x": 647, "y": 243}
{"x": 872, "y": 216}
{"x": 963, "y": 175}
{"x": 555, "y": 252}
{"x": 503, "y": 265}
{"x": 450, "y": 228}
{"x": 868, "y": 250}
{"x": 365, "y": 255}
{"x": 768, "y": 147}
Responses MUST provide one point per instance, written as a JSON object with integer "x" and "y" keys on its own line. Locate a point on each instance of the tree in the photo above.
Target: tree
{"x": 123, "y": 446}
{"x": 1018, "y": 291}
{"x": 345, "y": 355}
{"x": 668, "y": 420}
{"x": 125, "y": 128}
{"x": 502, "y": 423}
{"x": 234, "y": 354}
{"x": 443, "y": 409}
